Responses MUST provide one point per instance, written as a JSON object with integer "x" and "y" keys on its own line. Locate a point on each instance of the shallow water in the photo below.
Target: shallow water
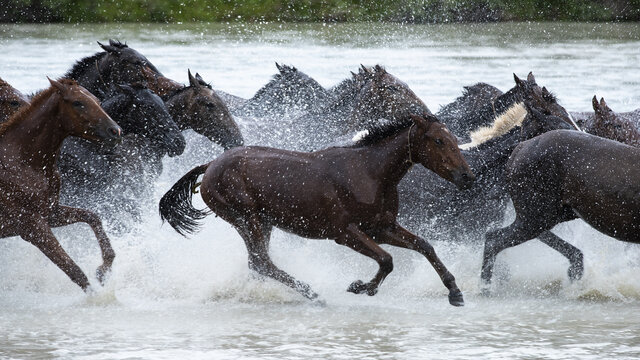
{"x": 170, "y": 297}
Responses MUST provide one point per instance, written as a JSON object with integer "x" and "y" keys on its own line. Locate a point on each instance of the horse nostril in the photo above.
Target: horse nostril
{"x": 115, "y": 131}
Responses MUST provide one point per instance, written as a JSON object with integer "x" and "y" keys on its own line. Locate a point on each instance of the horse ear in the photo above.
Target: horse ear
{"x": 594, "y": 103}
{"x": 108, "y": 48}
{"x": 192, "y": 81}
{"x": 545, "y": 92}
{"x": 199, "y": 78}
{"x": 519, "y": 82}
{"x": 603, "y": 104}
{"x": 419, "y": 120}
{"x": 279, "y": 67}
{"x": 530, "y": 77}
{"x": 58, "y": 85}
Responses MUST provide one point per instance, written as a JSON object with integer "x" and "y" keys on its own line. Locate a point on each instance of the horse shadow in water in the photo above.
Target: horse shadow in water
{"x": 428, "y": 203}
{"x": 347, "y": 194}
{"x": 11, "y": 100}
{"x": 604, "y": 122}
{"x": 471, "y": 112}
{"x": 115, "y": 181}
{"x": 564, "y": 175}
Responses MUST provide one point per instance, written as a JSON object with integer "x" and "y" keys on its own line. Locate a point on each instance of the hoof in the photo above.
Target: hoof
{"x": 455, "y": 297}
{"x": 102, "y": 273}
{"x": 575, "y": 272}
{"x": 358, "y": 287}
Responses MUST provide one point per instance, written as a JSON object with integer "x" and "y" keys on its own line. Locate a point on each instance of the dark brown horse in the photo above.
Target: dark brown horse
{"x": 347, "y": 194}
{"x": 197, "y": 107}
{"x": 29, "y": 181}
{"x": 11, "y": 100}
{"x": 611, "y": 125}
{"x": 564, "y": 175}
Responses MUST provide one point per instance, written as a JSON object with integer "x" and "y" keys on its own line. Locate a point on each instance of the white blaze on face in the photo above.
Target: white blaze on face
{"x": 360, "y": 135}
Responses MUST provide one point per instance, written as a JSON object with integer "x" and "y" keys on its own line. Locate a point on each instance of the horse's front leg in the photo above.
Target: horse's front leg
{"x": 65, "y": 215}
{"x": 401, "y": 237}
{"x": 357, "y": 240}
{"x": 37, "y": 231}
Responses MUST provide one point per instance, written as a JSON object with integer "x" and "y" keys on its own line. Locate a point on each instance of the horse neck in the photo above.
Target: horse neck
{"x": 493, "y": 154}
{"x": 36, "y": 139}
{"x": 388, "y": 160}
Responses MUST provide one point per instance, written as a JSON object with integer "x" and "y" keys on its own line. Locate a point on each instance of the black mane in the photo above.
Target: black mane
{"x": 379, "y": 131}
{"x": 81, "y": 65}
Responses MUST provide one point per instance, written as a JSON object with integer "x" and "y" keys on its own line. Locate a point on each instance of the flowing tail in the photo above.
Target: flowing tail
{"x": 176, "y": 207}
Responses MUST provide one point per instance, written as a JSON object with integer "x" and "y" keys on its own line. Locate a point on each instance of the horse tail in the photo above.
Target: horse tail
{"x": 176, "y": 207}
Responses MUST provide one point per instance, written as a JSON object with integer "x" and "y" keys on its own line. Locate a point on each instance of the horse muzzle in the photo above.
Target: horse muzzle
{"x": 464, "y": 179}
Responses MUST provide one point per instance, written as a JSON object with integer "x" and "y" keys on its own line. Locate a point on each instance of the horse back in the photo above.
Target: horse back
{"x": 598, "y": 178}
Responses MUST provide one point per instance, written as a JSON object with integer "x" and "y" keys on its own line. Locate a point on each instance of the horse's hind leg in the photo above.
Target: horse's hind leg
{"x": 38, "y": 233}
{"x": 572, "y": 253}
{"x": 65, "y": 215}
{"x": 256, "y": 236}
{"x": 401, "y": 237}
{"x": 357, "y": 240}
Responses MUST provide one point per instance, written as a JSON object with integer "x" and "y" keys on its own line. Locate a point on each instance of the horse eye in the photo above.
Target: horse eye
{"x": 211, "y": 105}
{"x": 14, "y": 103}
{"x": 77, "y": 104}
{"x": 438, "y": 141}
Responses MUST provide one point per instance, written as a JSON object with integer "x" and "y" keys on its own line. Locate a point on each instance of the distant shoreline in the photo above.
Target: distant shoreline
{"x": 407, "y": 11}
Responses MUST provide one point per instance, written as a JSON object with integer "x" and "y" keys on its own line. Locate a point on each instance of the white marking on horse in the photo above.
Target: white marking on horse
{"x": 501, "y": 125}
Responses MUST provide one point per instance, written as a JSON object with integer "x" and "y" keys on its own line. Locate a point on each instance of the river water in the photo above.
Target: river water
{"x": 170, "y": 297}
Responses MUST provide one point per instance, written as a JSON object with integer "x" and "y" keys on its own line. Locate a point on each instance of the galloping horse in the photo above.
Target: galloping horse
{"x": 348, "y": 194}
{"x": 11, "y": 100}
{"x": 29, "y": 183}
{"x": 564, "y": 175}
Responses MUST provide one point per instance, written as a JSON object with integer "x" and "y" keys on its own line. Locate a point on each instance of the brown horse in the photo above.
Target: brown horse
{"x": 30, "y": 183}
{"x": 608, "y": 124}
{"x": 11, "y": 100}
{"x": 348, "y": 194}
{"x": 564, "y": 175}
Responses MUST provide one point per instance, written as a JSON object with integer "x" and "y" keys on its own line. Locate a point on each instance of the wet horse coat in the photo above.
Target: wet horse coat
{"x": 346, "y": 194}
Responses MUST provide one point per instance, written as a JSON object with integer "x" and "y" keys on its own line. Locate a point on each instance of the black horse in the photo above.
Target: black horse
{"x": 462, "y": 123}
{"x": 432, "y": 204}
{"x": 115, "y": 182}
{"x": 289, "y": 91}
{"x": 473, "y": 98}
{"x": 565, "y": 175}
{"x": 604, "y": 122}
{"x": 117, "y": 64}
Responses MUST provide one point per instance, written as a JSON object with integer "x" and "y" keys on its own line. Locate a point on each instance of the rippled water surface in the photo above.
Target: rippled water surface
{"x": 170, "y": 297}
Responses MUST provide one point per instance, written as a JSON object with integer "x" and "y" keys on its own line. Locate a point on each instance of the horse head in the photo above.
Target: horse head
{"x": 198, "y": 107}
{"x": 122, "y": 64}
{"x": 142, "y": 113}
{"x": 610, "y": 125}
{"x": 541, "y": 98}
{"x": 11, "y": 100}
{"x": 436, "y": 148}
{"x": 539, "y": 121}
{"x": 382, "y": 96}
{"x": 82, "y": 115}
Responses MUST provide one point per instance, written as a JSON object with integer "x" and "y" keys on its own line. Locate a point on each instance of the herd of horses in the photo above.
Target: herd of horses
{"x": 96, "y": 138}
